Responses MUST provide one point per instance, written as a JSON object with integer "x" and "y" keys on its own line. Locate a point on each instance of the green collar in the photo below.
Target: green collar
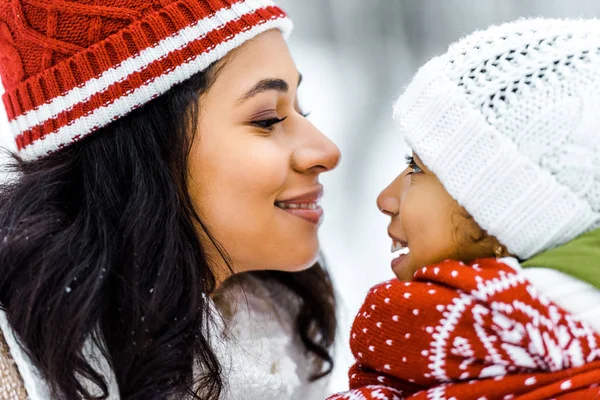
{"x": 579, "y": 258}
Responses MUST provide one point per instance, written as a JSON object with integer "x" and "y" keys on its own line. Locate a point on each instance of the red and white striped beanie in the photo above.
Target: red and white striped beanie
{"x": 70, "y": 67}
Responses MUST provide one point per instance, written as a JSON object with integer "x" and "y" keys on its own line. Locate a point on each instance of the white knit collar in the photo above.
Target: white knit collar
{"x": 260, "y": 358}
{"x": 36, "y": 387}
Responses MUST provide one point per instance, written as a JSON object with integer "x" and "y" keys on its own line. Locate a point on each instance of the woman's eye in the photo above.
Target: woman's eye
{"x": 268, "y": 124}
{"x": 410, "y": 161}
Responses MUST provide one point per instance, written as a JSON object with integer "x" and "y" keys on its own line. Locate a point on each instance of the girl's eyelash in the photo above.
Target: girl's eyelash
{"x": 410, "y": 160}
{"x": 268, "y": 123}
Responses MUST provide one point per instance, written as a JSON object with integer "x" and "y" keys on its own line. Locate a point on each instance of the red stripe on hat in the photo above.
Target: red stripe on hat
{"x": 148, "y": 74}
{"x": 108, "y": 54}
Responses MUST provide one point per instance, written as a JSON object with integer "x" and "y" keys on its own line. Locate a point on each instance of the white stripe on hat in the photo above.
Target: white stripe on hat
{"x": 123, "y": 105}
{"x": 134, "y": 64}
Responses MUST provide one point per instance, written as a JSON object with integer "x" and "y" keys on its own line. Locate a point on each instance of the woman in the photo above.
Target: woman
{"x": 160, "y": 240}
{"x": 498, "y": 219}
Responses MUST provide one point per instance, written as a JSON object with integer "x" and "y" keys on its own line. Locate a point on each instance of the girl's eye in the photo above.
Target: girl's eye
{"x": 268, "y": 124}
{"x": 412, "y": 165}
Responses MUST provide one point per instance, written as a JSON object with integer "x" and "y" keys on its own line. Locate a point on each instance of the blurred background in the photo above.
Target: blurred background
{"x": 356, "y": 56}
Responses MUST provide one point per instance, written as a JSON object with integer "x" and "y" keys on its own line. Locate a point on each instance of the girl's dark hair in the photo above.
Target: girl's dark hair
{"x": 98, "y": 241}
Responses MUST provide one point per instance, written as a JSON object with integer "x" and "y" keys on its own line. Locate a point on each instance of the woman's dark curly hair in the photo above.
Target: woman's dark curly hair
{"x": 98, "y": 241}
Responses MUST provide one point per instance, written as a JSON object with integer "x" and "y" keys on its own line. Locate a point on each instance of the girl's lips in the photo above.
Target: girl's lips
{"x": 403, "y": 243}
{"x": 399, "y": 263}
{"x": 400, "y": 267}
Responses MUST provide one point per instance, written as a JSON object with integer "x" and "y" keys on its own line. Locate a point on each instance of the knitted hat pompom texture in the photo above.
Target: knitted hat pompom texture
{"x": 71, "y": 67}
{"x": 509, "y": 121}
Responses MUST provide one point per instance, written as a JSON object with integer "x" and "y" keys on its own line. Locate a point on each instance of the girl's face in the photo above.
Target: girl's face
{"x": 256, "y": 161}
{"x": 429, "y": 222}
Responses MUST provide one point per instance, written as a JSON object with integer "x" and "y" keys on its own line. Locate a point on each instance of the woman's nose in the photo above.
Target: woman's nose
{"x": 318, "y": 153}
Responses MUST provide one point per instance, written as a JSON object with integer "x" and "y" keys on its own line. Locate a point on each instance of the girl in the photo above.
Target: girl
{"x": 498, "y": 214}
{"x": 160, "y": 240}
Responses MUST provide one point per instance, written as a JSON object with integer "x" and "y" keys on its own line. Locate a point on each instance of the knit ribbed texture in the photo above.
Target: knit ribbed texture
{"x": 72, "y": 67}
{"x": 508, "y": 120}
{"x": 469, "y": 332}
{"x": 11, "y": 385}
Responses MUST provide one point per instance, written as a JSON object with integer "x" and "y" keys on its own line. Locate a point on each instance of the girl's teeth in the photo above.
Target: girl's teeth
{"x": 396, "y": 246}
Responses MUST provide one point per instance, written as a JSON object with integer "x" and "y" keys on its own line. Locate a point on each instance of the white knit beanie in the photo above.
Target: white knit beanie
{"x": 509, "y": 121}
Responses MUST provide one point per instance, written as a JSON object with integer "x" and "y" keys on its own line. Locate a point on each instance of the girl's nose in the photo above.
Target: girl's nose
{"x": 388, "y": 200}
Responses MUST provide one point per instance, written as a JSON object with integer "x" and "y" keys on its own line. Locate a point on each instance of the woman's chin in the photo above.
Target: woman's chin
{"x": 307, "y": 263}
{"x": 296, "y": 261}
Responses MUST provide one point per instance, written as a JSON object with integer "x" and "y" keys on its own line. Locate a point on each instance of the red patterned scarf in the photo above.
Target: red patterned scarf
{"x": 461, "y": 332}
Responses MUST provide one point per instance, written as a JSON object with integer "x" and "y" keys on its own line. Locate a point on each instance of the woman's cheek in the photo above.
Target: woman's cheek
{"x": 263, "y": 164}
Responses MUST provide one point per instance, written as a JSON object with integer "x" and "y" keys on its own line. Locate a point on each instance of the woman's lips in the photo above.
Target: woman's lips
{"x": 311, "y": 212}
{"x": 305, "y": 206}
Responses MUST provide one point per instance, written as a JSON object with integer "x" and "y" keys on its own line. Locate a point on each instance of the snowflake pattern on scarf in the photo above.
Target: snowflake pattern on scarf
{"x": 478, "y": 331}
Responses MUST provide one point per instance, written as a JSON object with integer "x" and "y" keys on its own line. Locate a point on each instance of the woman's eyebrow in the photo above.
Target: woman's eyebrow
{"x": 265, "y": 85}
